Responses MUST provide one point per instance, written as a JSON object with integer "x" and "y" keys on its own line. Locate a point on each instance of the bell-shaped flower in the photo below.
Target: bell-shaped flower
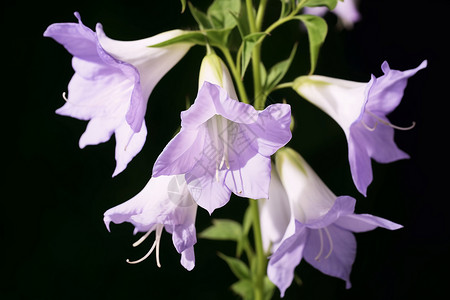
{"x": 346, "y": 11}
{"x": 112, "y": 83}
{"x": 224, "y": 145}
{"x": 360, "y": 109}
{"x": 165, "y": 202}
{"x": 274, "y": 213}
{"x": 321, "y": 225}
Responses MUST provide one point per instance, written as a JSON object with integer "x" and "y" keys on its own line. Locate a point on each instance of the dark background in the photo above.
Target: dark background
{"x": 54, "y": 244}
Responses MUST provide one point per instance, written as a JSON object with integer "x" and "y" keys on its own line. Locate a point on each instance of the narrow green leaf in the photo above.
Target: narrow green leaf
{"x": 183, "y": 5}
{"x": 317, "y": 32}
{"x": 242, "y": 21}
{"x": 243, "y": 288}
{"x": 223, "y": 229}
{"x": 220, "y": 13}
{"x": 238, "y": 267}
{"x": 199, "y": 16}
{"x": 249, "y": 42}
{"x": 194, "y": 37}
{"x": 277, "y": 72}
{"x": 331, "y": 4}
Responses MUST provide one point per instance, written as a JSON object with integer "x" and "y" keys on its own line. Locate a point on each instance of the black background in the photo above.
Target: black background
{"x": 53, "y": 241}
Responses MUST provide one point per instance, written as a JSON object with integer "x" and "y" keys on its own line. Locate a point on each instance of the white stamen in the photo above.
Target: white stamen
{"x": 321, "y": 245}
{"x": 330, "y": 241}
{"x": 156, "y": 243}
{"x": 368, "y": 127}
{"x": 158, "y": 239}
{"x": 144, "y": 257}
{"x": 138, "y": 242}
{"x": 388, "y": 123}
{"x": 64, "y": 97}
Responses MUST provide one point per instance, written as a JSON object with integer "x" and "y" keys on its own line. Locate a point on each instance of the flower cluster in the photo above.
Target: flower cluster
{"x": 226, "y": 146}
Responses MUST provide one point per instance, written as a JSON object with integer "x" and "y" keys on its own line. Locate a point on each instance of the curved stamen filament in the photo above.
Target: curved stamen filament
{"x": 321, "y": 245}
{"x": 65, "y": 97}
{"x": 382, "y": 121}
{"x": 330, "y": 241}
{"x": 156, "y": 243}
{"x": 138, "y": 242}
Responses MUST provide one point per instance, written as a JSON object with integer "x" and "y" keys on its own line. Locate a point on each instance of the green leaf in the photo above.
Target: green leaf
{"x": 249, "y": 42}
{"x": 269, "y": 288}
{"x": 317, "y": 32}
{"x": 221, "y": 12}
{"x": 200, "y": 17}
{"x": 242, "y": 21}
{"x": 223, "y": 229}
{"x": 194, "y": 37}
{"x": 183, "y": 5}
{"x": 243, "y": 288}
{"x": 331, "y": 4}
{"x": 277, "y": 72}
{"x": 218, "y": 37}
{"x": 238, "y": 267}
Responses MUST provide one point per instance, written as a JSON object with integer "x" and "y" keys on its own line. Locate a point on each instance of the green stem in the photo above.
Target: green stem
{"x": 256, "y": 55}
{"x": 261, "y": 261}
{"x": 236, "y": 75}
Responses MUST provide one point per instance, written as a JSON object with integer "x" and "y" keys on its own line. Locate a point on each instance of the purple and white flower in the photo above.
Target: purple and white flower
{"x": 346, "y": 11}
{"x": 321, "y": 225}
{"x": 165, "y": 202}
{"x": 224, "y": 145}
{"x": 360, "y": 109}
{"x": 112, "y": 83}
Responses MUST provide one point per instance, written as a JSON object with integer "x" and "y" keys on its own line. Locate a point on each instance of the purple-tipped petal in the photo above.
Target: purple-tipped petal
{"x": 365, "y": 222}
{"x": 332, "y": 251}
{"x": 181, "y": 153}
{"x": 286, "y": 258}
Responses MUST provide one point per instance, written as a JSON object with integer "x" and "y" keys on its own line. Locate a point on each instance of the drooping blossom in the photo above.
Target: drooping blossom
{"x": 112, "y": 83}
{"x": 346, "y": 11}
{"x": 164, "y": 203}
{"x": 361, "y": 109}
{"x": 321, "y": 225}
{"x": 224, "y": 145}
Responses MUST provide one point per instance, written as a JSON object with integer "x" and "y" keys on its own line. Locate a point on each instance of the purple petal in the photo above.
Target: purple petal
{"x": 359, "y": 159}
{"x": 184, "y": 236}
{"x": 365, "y": 222}
{"x": 207, "y": 188}
{"x": 332, "y": 251}
{"x": 212, "y": 100}
{"x": 343, "y": 205}
{"x": 286, "y": 258}
{"x": 249, "y": 174}
{"x": 128, "y": 145}
{"x": 181, "y": 153}
{"x": 78, "y": 39}
{"x": 188, "y": 258}
{"x": 271, "y": 130}
{"x": 388, "y": 90}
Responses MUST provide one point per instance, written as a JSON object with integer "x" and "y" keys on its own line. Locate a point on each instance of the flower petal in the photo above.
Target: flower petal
{"x": 249, "y": 174}
{"x": 188, "y": 258}
{"x": 274, "y": 212}
{"x": 207, "y": 188}
{"x": 271, "y": 131}
{"x": 286, "y": 258}
{"x": 337, "y": 249}
{"x": 181, "y": 153}
{"x": 387, "y": 93}
{"x": 128, "y": 145}
{"x": 365, "y": 222}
